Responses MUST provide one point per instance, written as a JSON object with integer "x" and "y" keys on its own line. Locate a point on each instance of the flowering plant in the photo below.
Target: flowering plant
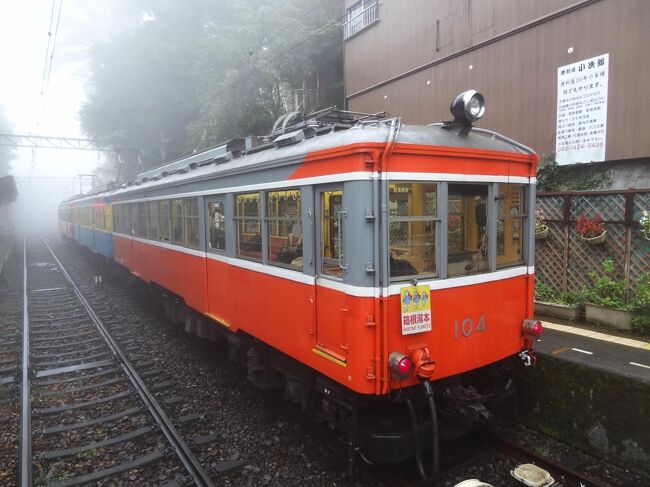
{"x": 645, "y": 224}
{"x": 590, "y": 227}
{"x": 540, "y": 221}
{"x": 453, "y": 223}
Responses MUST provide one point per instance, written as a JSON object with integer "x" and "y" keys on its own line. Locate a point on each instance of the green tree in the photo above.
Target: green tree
{"x": 141, "y": 91}
{"x": 249, "y": 69}
{"x": 197, "y": 72}
{"x": 6, "y": 154}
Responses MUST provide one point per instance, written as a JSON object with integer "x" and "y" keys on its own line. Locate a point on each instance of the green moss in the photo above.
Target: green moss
{"x": 553, "y": 177}
{"x": 592, "y": 410}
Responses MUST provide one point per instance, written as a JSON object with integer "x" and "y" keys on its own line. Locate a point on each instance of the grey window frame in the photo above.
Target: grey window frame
{"x": 437, "y": 222}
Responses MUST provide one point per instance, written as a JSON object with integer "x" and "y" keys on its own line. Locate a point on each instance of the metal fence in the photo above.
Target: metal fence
{"x": 361, "y": 15}
{"x": 563, "y": 260}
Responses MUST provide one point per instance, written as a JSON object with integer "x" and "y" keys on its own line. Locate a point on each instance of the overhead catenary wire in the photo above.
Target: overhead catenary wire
{"x": 56, "y": 32}
{"x": 47, "y": 49}
{"x": 273, "y": 37}
{"x": 49, "y": 58}
{"x": 336, "y": 21}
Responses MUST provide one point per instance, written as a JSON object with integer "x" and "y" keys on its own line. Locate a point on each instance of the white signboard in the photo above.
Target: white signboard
{"x": 582, "y": 111}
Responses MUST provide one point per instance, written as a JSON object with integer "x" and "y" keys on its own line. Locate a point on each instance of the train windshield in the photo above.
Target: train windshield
{"x": 413, "y": 228}
{"x": 483, "y": 233}
{"x": 467, "y": 231}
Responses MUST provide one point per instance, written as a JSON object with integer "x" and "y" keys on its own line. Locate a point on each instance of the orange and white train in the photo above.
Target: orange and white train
{"x": 370, "y": 268}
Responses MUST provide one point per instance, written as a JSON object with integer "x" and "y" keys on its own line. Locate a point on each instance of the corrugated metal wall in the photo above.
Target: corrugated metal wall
{"x": 517, "y": 73}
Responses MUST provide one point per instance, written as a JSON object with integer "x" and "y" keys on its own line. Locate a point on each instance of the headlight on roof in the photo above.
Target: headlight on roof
{"x": 468, "y": 107}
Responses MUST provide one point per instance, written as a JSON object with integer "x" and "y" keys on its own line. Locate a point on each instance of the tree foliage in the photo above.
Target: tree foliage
{"x": 6, "y": 154}
{"x": 141, "y": 92}
{"x": 197, "y": 72}
{"x": 248, "y": 69}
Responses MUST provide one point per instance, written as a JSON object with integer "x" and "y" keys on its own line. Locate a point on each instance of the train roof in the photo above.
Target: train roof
{"x": 101, "y": 194}
{"x": 231, "y": 158}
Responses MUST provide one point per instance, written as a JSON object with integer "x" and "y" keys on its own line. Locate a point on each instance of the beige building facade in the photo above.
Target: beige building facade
{"x": 411, "y": 57}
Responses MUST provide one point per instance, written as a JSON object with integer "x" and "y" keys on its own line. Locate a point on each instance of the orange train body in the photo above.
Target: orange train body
{"x": 337, "y": 309}
{"x": 334, "y": 332}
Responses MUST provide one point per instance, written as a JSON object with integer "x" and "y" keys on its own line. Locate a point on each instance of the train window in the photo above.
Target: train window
{"x": 143, "y": 220}
{"x": 128, "y": 219}
{"x": 284, "y": 228}
{"x": 98, "y": 216}
{"x": 249, "y": 235}
{"x": 413, "y": 227}
{"x": 510, "y": 225}
{"x": 117, "y": 214}
{"x": 332, "y": 233}
{"x": 164, "y": 220}
{"x": 120, "y": 218}
{"x": 178, "y": 235}
{"x": 192, "y": 222}
{"x": 108, "y": 218}
{"x": 134, "y": 219}
{"x": 467, "y": 239}
{"x": 217, "y": 225}
{"x": 154, "y": 221}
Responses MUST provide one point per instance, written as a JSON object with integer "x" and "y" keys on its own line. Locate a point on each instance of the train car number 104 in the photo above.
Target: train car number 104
{"x": 466, "y": 327}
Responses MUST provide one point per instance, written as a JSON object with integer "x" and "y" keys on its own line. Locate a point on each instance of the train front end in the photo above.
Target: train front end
{"x": 458, "y": 304}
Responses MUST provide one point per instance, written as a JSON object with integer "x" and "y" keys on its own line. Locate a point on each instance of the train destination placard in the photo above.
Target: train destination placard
{"x": 581, "y": 126}
{"x": 416, "y": 309}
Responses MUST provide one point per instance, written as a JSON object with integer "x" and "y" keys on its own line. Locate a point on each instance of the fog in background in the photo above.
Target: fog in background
{"x": 156, "y": 79}
{"x": 33, "y": 106}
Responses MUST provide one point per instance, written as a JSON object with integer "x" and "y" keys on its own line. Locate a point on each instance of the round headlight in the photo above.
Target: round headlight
{"x": 468, "y": 107}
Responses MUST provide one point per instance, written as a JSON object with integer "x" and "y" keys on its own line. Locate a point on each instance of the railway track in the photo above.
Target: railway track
{"x": 562, "y": 474}
{"x": 491, "y": 457}
{"x": 87, "y": 415}
{"x": 10, "y": 362}
{"x": 214, "y": 410}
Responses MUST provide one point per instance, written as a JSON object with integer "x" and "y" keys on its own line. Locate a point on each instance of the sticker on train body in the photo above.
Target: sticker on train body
{"x": 416, "y": 309}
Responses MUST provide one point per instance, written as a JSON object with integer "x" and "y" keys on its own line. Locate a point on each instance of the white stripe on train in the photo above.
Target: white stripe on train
{"x": 341, "y": 177}
{"x": 351, "y": 290}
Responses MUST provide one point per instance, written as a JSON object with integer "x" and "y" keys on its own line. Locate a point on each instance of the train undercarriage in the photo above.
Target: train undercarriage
{"x": 382, "y": 429}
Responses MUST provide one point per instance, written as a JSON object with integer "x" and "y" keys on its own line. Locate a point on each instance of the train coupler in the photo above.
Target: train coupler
{"x": 529, "y": 358}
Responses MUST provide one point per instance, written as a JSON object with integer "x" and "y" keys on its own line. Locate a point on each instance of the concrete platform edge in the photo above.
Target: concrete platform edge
{"x": 593, "y": 410}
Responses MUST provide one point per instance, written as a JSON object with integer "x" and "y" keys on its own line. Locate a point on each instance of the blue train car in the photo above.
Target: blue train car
{"x": 90, "y": 222}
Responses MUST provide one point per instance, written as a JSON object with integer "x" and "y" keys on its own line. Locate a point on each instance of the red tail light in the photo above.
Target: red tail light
{"x": 400, "y": 365}
{"x": 532, "y": 328}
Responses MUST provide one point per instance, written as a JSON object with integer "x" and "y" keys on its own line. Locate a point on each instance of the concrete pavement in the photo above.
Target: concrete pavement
{"x": 616, "y": 354}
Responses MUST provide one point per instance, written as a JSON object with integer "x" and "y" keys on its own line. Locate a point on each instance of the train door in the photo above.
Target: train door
{"x": 132, "y": 232}
{"x": 331, "y": 311}
{"x": 215, "y": 236}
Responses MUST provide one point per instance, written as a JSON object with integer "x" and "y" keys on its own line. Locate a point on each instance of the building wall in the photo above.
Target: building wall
{"x": 422, "y": 53}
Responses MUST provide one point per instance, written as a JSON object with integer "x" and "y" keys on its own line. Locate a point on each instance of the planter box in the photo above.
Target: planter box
{"x": 614, "y": 318}
{"x": 542, "y": 234}
{"x": 595, "y": 240}
{"x": 557, "y": 310}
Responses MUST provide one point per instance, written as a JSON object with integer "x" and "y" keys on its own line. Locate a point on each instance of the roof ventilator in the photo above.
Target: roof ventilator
{"x": 228, "y": 156}
{"x": 294, "y": 137}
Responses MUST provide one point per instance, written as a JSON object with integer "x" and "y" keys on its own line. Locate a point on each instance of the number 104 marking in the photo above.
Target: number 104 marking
{"x": 467, "y": 327}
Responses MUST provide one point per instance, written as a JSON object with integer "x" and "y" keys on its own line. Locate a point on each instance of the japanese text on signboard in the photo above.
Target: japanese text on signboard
{"x": 416, "y": 309}
{"x": 582, "y": 110}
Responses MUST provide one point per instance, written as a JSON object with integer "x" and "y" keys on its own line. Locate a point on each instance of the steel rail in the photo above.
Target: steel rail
{"x": 25, "y": 400}
{"x": 189, "y": 460}
{"x": 555, "y": 468}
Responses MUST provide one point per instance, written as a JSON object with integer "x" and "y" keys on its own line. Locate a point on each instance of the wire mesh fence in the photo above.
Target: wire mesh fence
{"x": 564, "y": 260}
